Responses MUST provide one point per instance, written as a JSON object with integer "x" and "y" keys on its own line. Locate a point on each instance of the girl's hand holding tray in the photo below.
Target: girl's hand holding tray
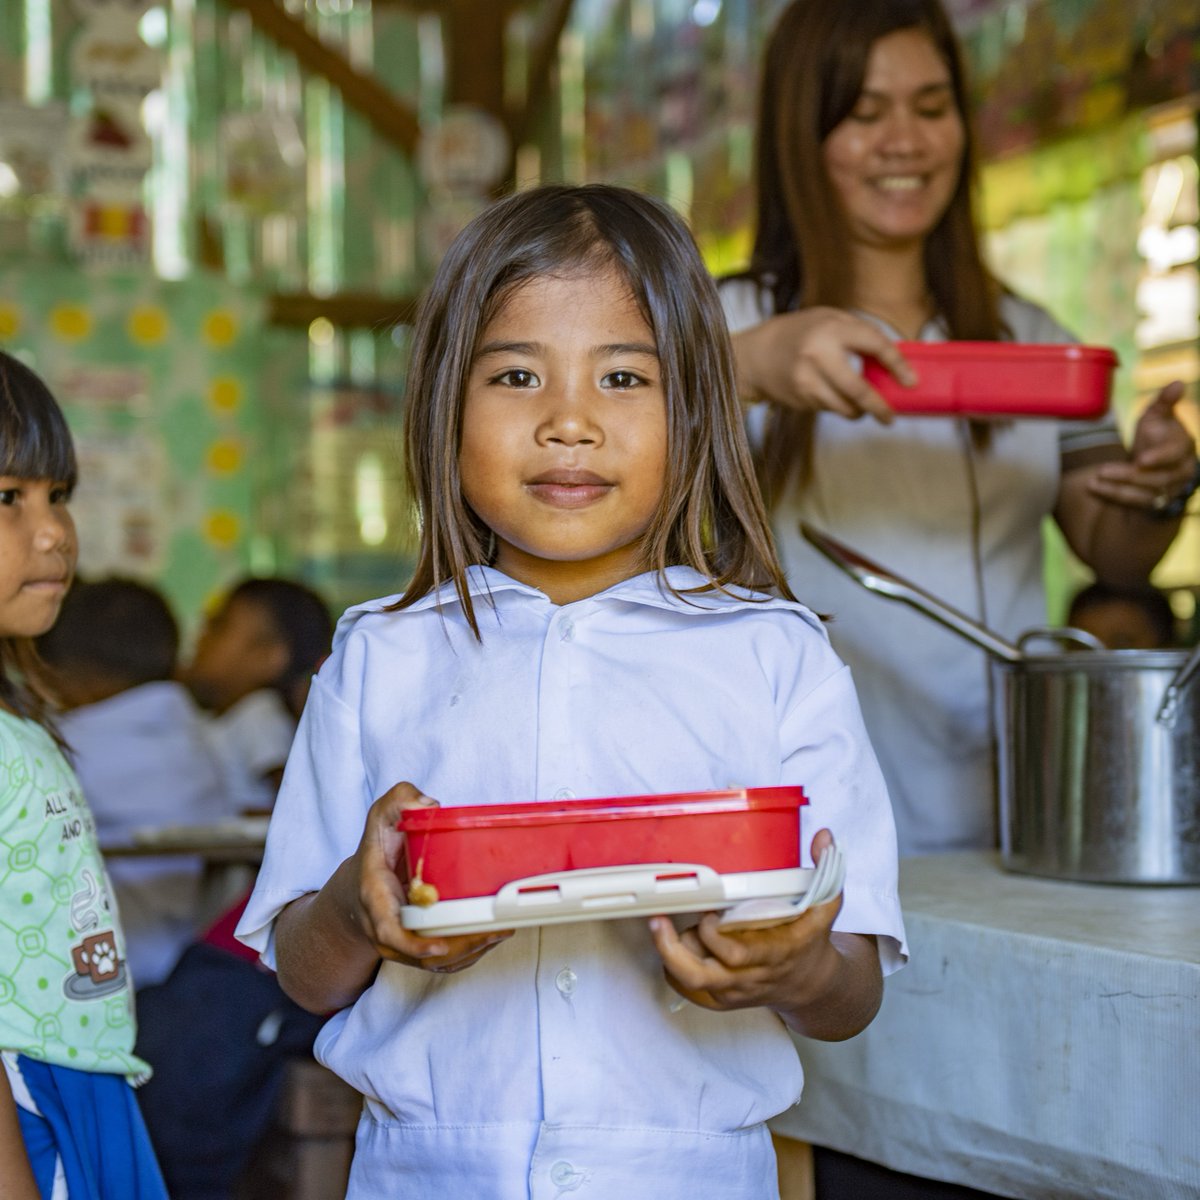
{"x": 381, "y": 894}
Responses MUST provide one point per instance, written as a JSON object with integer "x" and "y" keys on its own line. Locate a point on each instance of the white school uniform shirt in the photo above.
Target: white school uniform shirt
{"x": 904, "y": 495}
{"x": 555, "y": 1065}
{"x": 252, "y": 738}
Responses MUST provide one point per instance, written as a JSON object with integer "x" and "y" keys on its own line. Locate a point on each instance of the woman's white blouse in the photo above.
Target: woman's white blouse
{"x": 963, "y": 524}
{"x": 555, "y": 1065}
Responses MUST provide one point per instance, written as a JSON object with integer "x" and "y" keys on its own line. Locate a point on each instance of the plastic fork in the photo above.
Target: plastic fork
{"x": 826, "y": 882}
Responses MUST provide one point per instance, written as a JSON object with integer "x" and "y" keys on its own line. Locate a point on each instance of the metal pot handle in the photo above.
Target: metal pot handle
{"x": 1061, "y": 633}
{"x": 1169, "y": 707}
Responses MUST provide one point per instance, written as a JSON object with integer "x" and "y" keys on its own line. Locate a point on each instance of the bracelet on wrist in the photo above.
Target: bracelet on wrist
{"x": 1175, "y": 506}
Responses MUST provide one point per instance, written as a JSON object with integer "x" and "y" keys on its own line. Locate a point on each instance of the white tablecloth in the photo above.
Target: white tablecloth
{"x": 1043, "y": 1041}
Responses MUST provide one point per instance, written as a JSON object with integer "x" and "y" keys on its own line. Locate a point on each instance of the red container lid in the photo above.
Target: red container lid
{"x": 999, "y": 379}
{"x": 595, "y": 809}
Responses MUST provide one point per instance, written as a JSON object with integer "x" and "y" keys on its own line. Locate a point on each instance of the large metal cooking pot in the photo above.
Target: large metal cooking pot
{"x": 1099, "y": 749}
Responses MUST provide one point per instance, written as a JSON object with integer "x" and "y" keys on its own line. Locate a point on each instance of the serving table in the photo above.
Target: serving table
{"x": 1042, "y": 1042}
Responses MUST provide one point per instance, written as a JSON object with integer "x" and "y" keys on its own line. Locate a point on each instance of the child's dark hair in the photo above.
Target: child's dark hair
{"x": 1152, "y": 603}
{"x": 118, "y": 628}
{"x": 711, "y": 516}
{"x": 35, "y": 443}
{"x": 301, "y": 619}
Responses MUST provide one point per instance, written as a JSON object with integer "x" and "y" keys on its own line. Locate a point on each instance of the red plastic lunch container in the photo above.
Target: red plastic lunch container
{"x": 999, "y": 379}
{"x": 479, "y": 849}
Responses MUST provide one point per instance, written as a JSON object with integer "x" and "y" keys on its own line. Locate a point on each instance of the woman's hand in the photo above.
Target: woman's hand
{"x": 381, "y": 895}
{"x": 823, "y": 984}
{"x": 806, "y": 361}
{"x": 1161, "y": 462}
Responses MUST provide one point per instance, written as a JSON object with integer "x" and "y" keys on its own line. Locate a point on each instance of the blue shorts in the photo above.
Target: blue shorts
{"x": 92, "y": 1125}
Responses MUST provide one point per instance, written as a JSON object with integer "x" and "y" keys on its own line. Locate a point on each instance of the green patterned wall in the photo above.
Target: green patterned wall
{"x": 163, "y": 385}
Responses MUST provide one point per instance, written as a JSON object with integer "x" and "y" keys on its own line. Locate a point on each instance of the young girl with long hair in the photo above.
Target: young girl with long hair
{"x": 596, "y": 610}
{"x": 69, "y": 1122}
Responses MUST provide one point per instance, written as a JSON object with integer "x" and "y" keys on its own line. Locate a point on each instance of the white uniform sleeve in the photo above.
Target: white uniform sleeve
{"x": 318, "y": 818}
{"x": 826, "y": 750}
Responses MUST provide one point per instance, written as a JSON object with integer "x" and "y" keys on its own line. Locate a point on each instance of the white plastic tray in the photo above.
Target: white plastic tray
{"x": 603, "y": 893}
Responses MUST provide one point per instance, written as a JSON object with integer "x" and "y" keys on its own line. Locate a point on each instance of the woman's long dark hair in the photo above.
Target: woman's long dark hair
{"x": 813, "y": 71}
{"x": 711, "y": 516}
{"x": 35, "y": 443}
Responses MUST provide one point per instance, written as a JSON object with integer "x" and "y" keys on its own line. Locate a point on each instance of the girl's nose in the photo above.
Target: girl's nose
{"x": 569, "y": 419}
{"x": 55, "y": 530}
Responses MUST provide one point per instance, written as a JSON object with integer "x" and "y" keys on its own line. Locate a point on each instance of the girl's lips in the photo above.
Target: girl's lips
{"x": 568, "y": 495}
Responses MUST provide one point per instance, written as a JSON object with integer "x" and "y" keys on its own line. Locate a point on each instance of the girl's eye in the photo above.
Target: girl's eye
{"x": 60, "y": 493}
{"x": 623, "y": 380}
{"x": 518, "y": 377}
{"x": 934, "y": 112}
{"x": 8, "y": 496}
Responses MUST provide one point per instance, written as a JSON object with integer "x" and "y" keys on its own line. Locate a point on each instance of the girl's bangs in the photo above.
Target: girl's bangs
{"x": 35, "y": 442}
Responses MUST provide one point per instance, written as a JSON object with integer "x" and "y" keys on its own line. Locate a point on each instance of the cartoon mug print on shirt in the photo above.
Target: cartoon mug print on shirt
{"x": 98, "y": 967}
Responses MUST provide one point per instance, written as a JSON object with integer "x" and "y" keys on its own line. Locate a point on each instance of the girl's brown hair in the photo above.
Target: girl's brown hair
{"x": 813, "y": 71}
{"x": 35, "y": 443}
{"x": 711, "y": 516}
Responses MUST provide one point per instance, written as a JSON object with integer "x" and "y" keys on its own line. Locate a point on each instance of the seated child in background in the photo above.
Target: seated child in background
{"x": 1125, "y": 618}
{"x": 138, "y": 744}
{"x": 207, "y": 1113}
{"x": 250, "y": 670}
{"x": 597, "y": 609}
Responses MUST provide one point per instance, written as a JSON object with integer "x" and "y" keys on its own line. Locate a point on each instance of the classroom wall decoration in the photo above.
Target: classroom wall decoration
{"x": 160, "y": 382}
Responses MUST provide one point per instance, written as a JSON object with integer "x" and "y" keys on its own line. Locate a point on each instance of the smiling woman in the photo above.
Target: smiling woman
{"x": 865, "y": 237}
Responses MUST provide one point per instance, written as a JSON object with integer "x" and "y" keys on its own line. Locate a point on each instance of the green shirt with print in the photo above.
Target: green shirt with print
{"x": 65, "y": 996}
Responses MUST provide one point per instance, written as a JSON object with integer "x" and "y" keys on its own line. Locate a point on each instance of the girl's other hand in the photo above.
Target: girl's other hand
{"x": 1161, "y": 462}
{"x": 823, "y": 984}
{"x": 809, "y": 361}
{"x": 381, "y": 894}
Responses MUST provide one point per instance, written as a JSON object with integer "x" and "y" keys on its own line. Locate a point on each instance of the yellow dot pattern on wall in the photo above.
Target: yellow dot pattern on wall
{"x": 224, "y": 457}
{"x": 70, "y": 322}
{"x": 10, "y": 321}
{"x": 147, "y": 324}
{"x": 222, "y": 527}
{"x": 220, "y": 328}
{"x": 225, "y": 394}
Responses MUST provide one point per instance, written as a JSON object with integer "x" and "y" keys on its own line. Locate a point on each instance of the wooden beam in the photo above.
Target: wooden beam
{"x": 346, "y": 310}
{"x": 541, "y": 67}
{"x": 390, "y": 117}
{"x": 475, "y": 54}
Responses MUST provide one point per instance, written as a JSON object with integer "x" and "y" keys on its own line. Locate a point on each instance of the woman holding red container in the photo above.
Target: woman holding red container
{"x": 865, "y": 237}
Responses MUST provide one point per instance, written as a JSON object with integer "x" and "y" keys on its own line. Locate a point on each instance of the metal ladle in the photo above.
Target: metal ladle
{"x": 883, "y": 582}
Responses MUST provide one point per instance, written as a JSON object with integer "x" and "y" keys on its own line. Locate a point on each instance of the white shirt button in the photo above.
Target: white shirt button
{"x": 566, "y": 981}
{"x": 564, "y": 794}
{"x": 567, "y": 631}
{"x": 564, "y": 1176}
